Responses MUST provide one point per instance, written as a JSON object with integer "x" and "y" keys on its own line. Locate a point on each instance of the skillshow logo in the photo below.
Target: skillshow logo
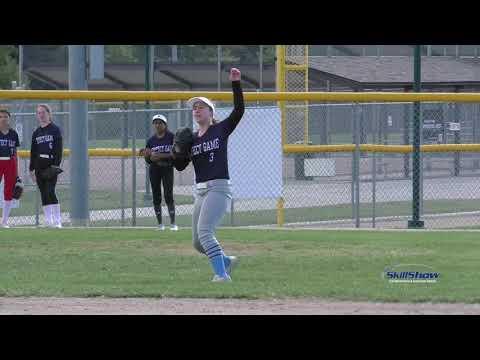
{"x": 410, "y": 273}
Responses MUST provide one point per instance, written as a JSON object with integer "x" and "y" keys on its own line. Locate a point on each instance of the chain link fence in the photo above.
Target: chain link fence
{"x": 322, "y": 189}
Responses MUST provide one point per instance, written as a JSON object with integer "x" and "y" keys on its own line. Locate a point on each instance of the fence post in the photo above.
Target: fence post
{"x": 124, "y": 145}
{"x": 280, "y": 83}
{"x": 134, "y": 166}
{"x": 356, "y": 161}
{"x": 93, "y": 118}
{"x": 352, "y": 187}
{"x": 374, "y": 188}
{"x": 374, "y": 181}
{"x": 79, "y": 167}
{"x": 475, "y": 119}
{"x": 149, "y": 84}
{"x": 378, "y": 121}
{"x": 280, "y": 211}
{"x": 457, "y": 117}
{"x": 406, "y": 139}
{"x": 363, "y": 133}
{"x": 327, "y": 136}
{"x": 416, "y": 223}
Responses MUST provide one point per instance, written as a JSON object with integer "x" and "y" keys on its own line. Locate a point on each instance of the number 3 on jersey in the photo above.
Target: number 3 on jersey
{"x": 210, "y": 159}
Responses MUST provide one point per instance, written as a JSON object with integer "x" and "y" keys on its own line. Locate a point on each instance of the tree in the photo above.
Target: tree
{"x": 8, "y": 65}
{"x": 190, "y": 54}
{"x": 197, "y": 54}
{"x": 269, "y": 53}
{"x": 124, "y": 54}
{"x": 241, "y": 54}
{"x": 38, "y": 55}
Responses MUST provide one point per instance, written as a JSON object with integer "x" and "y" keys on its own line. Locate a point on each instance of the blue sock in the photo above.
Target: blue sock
{"x": 226, "y": 261}
{"x": 218, "y": 265}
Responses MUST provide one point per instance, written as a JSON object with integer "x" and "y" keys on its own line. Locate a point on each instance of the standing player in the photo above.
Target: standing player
{"x": 157, "y": 155}
{"x": 8, "y": 163}
{"x": 46, "y": 151}
{"x": 213, "y": 188}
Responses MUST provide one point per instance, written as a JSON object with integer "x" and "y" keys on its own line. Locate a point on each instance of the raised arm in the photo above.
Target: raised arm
{"x": 231, "y": 122}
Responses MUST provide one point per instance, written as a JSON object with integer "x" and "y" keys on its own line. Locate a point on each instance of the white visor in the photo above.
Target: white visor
{"x": 160, "y": 117}
{"x": 192, "y": 101}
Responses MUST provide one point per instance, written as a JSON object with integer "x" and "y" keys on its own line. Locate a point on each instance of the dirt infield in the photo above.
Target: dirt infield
{"x": 170, "y": 306}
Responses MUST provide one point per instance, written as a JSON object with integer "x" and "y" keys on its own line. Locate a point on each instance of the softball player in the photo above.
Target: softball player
{"x": 8, "y": 163}
{"x": 46, "y": 150}
{"x": 157, "y": 155}
{"x": 213, "y": 188}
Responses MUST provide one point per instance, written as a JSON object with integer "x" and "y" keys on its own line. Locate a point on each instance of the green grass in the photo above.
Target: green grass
{"x": 114, "y": 143}
{"x": 344, "y": 265}
{"x": 98, "y": 200}
{"x": 325, "y": 213}
{"x": 347, "y": 138}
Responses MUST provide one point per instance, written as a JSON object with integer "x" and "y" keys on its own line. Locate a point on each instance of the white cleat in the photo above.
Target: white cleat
{"x": 233, "y": 263}
{"x": 161, "y": 227}
{"x": 217, "y": 278}
{"x": 5, "y": 226}
{"x": 58, "y": 226}
{"x": 174, "y": 227}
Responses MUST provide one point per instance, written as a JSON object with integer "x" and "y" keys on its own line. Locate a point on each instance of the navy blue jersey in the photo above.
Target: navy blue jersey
{"x": 47, "y": 147}
{"x": 9, "y": 144}
{"x": 209, "y": 151}
{"x": 161, "y": 145}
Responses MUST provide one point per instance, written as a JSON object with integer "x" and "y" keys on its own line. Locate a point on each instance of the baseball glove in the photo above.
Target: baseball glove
{"x": 182, "y": 142}
{"x": 18, "y": 189}
{"x": 182, "y": 147}
{"x": 50, "y": 172}
{"x": 145, "y": 152}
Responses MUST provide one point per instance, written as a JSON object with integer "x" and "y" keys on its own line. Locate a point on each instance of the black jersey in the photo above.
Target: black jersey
{"x": 47, "y": 147}
{"x": 9, "y": 144}
{"x": 209, "y": 151}
{"x": 161, "y": 145}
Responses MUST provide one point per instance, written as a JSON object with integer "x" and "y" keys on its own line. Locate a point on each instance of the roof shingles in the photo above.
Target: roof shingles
{"x": 398, "y": 69}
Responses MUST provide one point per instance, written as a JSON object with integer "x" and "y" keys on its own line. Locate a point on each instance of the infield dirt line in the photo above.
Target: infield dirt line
{"x": 190, "y": 306}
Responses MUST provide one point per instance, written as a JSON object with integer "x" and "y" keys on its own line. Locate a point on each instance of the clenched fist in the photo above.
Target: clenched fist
{"x": 235, "y": 74}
